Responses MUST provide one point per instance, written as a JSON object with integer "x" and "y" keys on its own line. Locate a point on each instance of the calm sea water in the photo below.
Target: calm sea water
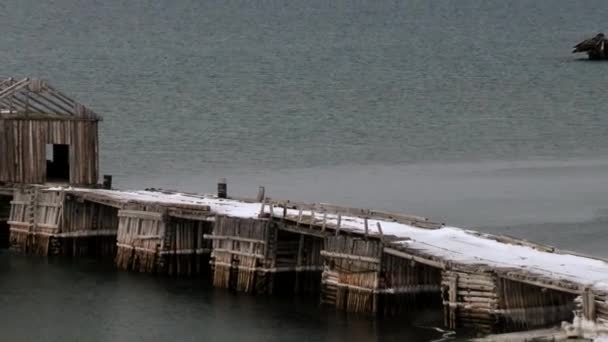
{"x": 470, "y": 112}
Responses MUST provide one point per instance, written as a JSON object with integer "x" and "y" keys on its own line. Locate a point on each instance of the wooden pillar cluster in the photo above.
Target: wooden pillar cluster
{"x": 601, "y": 308}
{"x": 298, "y": 262}
{"x": 35, "y": 219}
{"x": 242, "y": 254}
{"x": 159, "y": 239}
{"x": 48, "y": 223}
{"x": 185, "y": 250}
{"x": 362, "y": 275}
{"x": 87, "y": 229}
{"x": 351, "y": 273}
{"x": 406, "y": 285}
{"x": 140, "y": 232}
{"x": 488, "y": 302}
{"x": 592, "y": 306}
{"x": 470, "y": 299}
{"x": 262, "y": 256}
{"x": 524, "y": 306}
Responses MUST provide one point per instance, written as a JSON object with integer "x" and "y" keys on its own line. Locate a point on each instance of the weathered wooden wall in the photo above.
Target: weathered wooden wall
{"x": 260, "y": 256}
{"x": 351, "y": 273}
{"x": 140, "y": 232}
{"x": 23, "y": 149}
{"x": 240, "y": 254}
{"x": 297, "y": 262}
{"x": 35, "y": 218}
{"x": 150, "y": 240}
{"x": 53, "y": 223}
{"x": 484, "y": 301}
{"x": 470, "y": 299}
{"x": 406, "y": 285}
{"x": 592, "y": 306}
{"x": 184, "y": 250}
{"x": 87, "y": 229}
{"x": 522, "y": 306}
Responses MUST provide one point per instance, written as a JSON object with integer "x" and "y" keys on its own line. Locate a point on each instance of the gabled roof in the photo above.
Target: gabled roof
{"x": 34, "y": 98}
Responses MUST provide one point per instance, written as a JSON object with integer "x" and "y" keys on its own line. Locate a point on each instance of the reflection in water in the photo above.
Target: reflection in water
{"x": 84, "y": 300}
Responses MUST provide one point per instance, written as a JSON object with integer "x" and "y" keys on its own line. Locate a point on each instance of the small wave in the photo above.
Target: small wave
{"x": 447, "y": 335}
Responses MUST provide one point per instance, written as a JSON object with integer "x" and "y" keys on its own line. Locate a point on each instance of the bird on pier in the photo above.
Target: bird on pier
{"x": 594, "y": 44}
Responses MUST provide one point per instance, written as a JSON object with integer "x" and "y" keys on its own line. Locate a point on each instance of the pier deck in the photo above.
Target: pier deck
{"x": 437, "y": 247}
{"x": 362, "y": 260}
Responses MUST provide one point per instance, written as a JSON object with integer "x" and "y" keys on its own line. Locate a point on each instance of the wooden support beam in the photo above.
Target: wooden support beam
{"x": 589, "y": 310}
{"x": 299, "y": 218}
{"x": 350, "y": 257}
{"x": 337, "y": 232}
{"x": 304, "y": 231}
{"x": 261, "y": 194}
{"x": 232, "y": 238}
{"x": 401, "y": 254}
{"x": 230, "y": 251}
{"x": 558, "y": 286}
{"x": 380, "y": 231}
{"x": 324, "y": 221}
{"x": 144, "y": 215}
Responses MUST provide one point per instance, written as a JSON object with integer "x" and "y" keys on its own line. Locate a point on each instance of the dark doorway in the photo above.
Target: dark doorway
{"x": 5, "y": 208}
{"x": 58, "y": 163}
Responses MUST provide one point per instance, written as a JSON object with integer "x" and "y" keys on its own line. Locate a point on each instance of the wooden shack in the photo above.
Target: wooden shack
{"x": 45, "y": 136}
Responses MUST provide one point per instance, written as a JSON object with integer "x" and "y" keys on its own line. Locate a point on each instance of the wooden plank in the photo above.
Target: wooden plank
{"x": 229, "y": 251}
{"x": 350, "y": 257}
{"x": 540, "y": 284}
{"x": 428, "y": 262}
{"x": 144, "y": 215}
{"x": 186, "y": 251}
{"x": 233, "y": 238}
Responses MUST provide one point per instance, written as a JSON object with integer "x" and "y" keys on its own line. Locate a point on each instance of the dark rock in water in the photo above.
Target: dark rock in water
{"x": 595, "y": 47}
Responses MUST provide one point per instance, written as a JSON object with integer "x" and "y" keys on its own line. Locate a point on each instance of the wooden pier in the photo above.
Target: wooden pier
{"x": 356, "y": 260}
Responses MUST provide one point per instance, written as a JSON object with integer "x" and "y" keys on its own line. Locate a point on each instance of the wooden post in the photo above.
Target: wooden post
{"x": 339, "y": 223}
{"x": 299, "y": 218}
{"x": 107, "y": 182}
{"x": 589, "y": 304}
{"x": 380, "y": 231}
{"x": 284, "y": 210}
{"x": 260, "y": 196}
{"x": 366, "y": 228}
{"x": 324, "y": 221}
{"x": 222, "y": 188}
{"x": 452, "y": 301}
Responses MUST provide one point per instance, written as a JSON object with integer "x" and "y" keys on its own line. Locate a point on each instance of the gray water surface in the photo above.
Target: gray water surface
{"x": 470, "y": 112}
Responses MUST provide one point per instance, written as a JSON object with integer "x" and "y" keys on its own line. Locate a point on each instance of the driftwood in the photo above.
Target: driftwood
{"x": 596, "y": 47}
